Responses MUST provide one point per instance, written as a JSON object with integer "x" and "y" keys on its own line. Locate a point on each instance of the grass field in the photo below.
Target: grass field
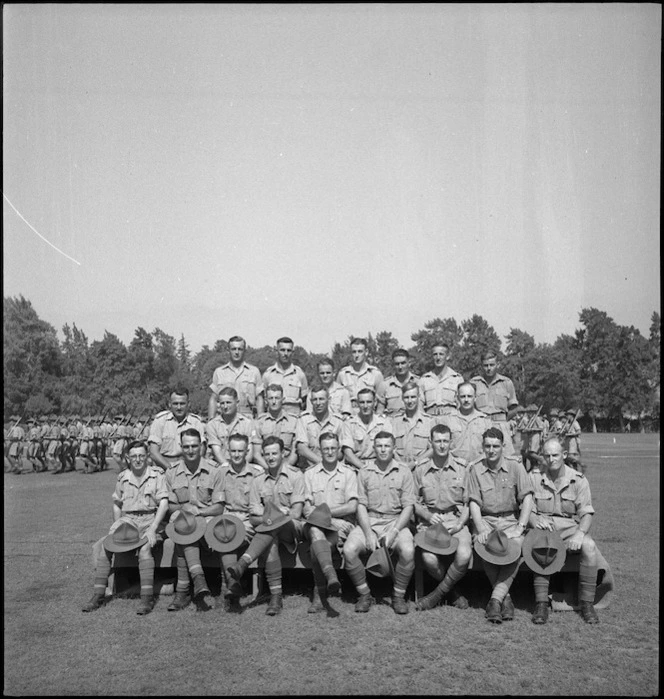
{"x": 52, "y": 648}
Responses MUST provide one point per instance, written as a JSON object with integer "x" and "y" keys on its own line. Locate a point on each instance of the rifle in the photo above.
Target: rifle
{"x": 529, "y": 426}
{"x": 568, "y": 424}
{"x": 147, "y": 422}
{"x": 16, "y": 424}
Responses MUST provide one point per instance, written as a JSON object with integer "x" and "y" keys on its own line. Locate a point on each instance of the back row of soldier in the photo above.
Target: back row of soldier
{"x": 355, "y": 405}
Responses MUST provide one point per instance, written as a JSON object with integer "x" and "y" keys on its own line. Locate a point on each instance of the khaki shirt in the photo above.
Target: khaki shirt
{"x": 337, "y": 487}
{"x": 235, "y": 487}
{"x": 439, "y": 391}
{"x": 569, "y": 498}
{"x": 246, "y": 381}
{"x": 467, "y": 431}
{"x": 339, "y": 400}
{"x": 385, "y": 493}
{"x": 203, "y": 485}
{"x": 442, "y": 489}
{"x": 218, "y": 431}
{"x": 165, "y": 432}
{"x": 294, "y": 383}
{"x": 309, "y": 428}
{"x": 498, "y": 492}
{"x": 412, "y": 435}
{"x": 285, "y": 490}
{"x": 368, "y": 377}
{"x": 362, "y": 435}
{"x": 393, "y": 401}
{"x": 282, "y": 426}
{"x": 140, "y": 495}
{"x": 495, "y": 398}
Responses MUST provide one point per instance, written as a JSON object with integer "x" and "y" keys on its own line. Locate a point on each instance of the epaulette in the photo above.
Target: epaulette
{"x": 256, "y": 469}
{"x": 477, "y": 461}
{"x": 162, "y": 413}
{"x": 198, "y": 417}
{"x": 577, "y": 474}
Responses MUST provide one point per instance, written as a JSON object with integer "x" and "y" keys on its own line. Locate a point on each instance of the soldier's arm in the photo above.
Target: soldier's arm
{"x": 156, "y": 456}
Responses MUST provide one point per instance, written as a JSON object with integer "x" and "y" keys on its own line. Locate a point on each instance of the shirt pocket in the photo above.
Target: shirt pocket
{"x": 248, "y": 391}
{"x": 287, "y": 438}
{"x": 489, "y": 496}
{"x": 544, "y": 502}
{"x": 203, "y": 494}
{"x": 394, "y": 491}
{"x": 567, "y": 503}
{"x": 181, "y": 494}
{"x": 291, "y": 390}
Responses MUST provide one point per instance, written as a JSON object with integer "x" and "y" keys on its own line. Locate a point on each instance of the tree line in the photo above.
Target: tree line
{"x": 610, "y": 371}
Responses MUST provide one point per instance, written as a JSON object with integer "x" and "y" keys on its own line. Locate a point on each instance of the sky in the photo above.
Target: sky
{"x": 321, "y": 171}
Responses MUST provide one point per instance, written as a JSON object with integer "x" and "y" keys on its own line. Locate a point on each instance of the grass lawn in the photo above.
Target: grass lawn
{"x": 51, "y": 647}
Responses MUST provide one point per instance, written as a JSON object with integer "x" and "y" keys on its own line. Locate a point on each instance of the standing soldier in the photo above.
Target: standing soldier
{"x": 165, "y": 430}
{"x": 289, "y": 376}
{"x": 394, "y": 383}
{"x": 35, "y": 452}
{"x": 275, "y": 421}
{"x": 53, "y": 441}
{"x": 412, "y": 429}
{"x": 228, "y": 421}
{"x": 243, "y": 377}
{"x": 339, "y": 396}
{"x": 86, "y": 447}
{"x": 531, "y": 438}
{"x": 360, "y": 374}
{"x": 572, "y": 440}
{"x": 438, "y": 387}
{"x": 16, "y": 437}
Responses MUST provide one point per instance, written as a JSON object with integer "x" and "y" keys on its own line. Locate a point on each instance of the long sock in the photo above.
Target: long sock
{"x": 192, "y": 555}
{"x": 146, "y": 576}
{"x": 102, "y": 571}
{"x": 587, "y": 583}
{"x": 403, "y": 572}
{"x": 506, "y": 575}
{"x": 182, "y": 584}
{"x": 358, "y": 575}
{"x": 452, "y": 577}
{"x": 541, "y": 586}
{"x": 322, "y": 551}
{"x": 259, "y": 544}
{"x": 491, "y": 571}
{"x": 273, "y": 575}
{"x": 319, "y": 577}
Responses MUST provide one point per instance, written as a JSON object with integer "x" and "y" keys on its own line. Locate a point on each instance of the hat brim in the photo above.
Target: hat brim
{"x": 172, "y": 534}
{"x": 276, "y": 524}
{"x": 225, "y": 546}
{"x": 376, "y": 563}
{"x": 557, "y": 543}
{"x": 115, "y": 547}
{"x": 513, "y": 553}
{"x": 420, "y": 541}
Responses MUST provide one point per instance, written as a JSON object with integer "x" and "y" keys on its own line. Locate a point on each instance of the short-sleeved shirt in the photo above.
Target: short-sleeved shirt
{"x": 412, "y": 436}
{"x": 392, "y": 390}
{"x": 438, "y": 392}
{"x": 369, "y": 376}
{"x": 531, "y": 440}
{"x": 570, "y": 498}
{"x": 246, "y": 380}
{"x": 16, "y": 434}
{"x": 165, "y": 432}
{"x": 498, "y": 492}
{"x": 336, "y": 487}
{"x": 467, "y": 431}
{"x": 339, "y": 400}
{"x": 294, "y": 383}
{"x": 362, "y": 435}
{"x": 235, "y": 487}
{"x": 218, "y": 431}
{"x": 204, "y": 484}
{"x": 286, "y": 490}
{"x": 309, "y": 428}
{"x": 442, "y": 488}
{"x": 573, "y": 439}
{"x": 140, "y": 494}
{"x": 494, "y": 398}
{"x": 385, "y": 493}
{"x": 282, "y": 426}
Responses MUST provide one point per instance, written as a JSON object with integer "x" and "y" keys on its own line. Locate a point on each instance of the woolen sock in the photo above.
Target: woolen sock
{"x": 506, "y": 575}
{"x": 319, "y": 577}
{"x": 358, "y": 576}
{"x": 541, "y": 586}
{"x": 182, "y": 584}
{"x": 102, "y": 571}
{"x": 587, "y": 583}
{"x": 322, "y": 551}
{"x": 452, "y": 577}
{"x": 403, "y": 572}
{"x": 273, "y": 575}
{"x": 192, "y": 555}
{"x": 259, "y": 544}
{"x": 146, "y": 576}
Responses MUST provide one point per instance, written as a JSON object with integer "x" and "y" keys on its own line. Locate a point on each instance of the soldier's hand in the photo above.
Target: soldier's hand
{"x": 543, "y": 523}
{"x": 484, "y": 534}
{"x": 372, "y": 542}
{"x": 152, "y": 536}
{"x": 575, "y": 541}
{"x": 436, "y": 518}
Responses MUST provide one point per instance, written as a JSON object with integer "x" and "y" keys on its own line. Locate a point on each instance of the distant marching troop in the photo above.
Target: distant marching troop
{"x": 366, "y": 466}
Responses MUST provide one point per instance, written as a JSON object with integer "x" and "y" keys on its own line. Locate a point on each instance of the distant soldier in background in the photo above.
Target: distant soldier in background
{"x": 275, "y": 421}
{"x": 53, "y": 443}
{"x": 86, "y": 446}
{"x": 35, "y": 450}
{"x": 517, "y": 423}
{"x": 118, "y": 437}
{"x": 395, "y": 382}
{"x": 290, "y": 376}
{"x": 531, "y": 440}
{"x": 438, "y": 387}
{"x": 339, "y": 396}
{"x": 228, "y": 421}
{"x": 243, "y": 377}
{"x": 16, "y": 438}
{"x": 165, "y": 430}
{"x": 571, "y": 435}
{"x": 360, "y": 374}
{"x": 555, "y": 423}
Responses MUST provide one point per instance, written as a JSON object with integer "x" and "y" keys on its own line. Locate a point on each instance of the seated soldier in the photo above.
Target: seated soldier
{"x": 140, "y": 504}
{"x": 276, "y": 498}
{"x": 386, "y": 497}
{"x": 194, "y": 495}
{"x": 442, "y": 501}
{"x": 330, "y": 503}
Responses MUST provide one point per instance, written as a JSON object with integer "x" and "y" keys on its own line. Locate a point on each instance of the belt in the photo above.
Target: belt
{"x": 447, "y": 510}
{"x": 510, "y": 513}
{"x": 140, "y": 512}
{"x": 499, "y": 417}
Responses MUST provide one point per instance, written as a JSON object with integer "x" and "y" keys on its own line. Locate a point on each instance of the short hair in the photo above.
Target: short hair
{"x": 285, "y": 340}
{"x": 493, "y": 433}
{"x": 228, "y": 391}
{"x": 359, "y": 341}
{"x": 326, "y": 361}
{"x": 400, "y": 353}
{"x": 441, "y": 344}
{"x": 440, "y": 429}
{"x": 179, "y": 390}
{"x": 237, "y": 437}
{"x": 191, "y": 432}
{"x": 317, "y": 387}
{"x": 237, "y": 338}
{"x": 384, "y": 434}
{"x": 137, "y": 444}
{"x": 273, "y": 439}
{"x": 324, "y": 436}
{"x": 555, "y": 439}
{"x": 489, "y": 354}
{"x": 366, "y": 389}
{"x": 278, "y": 388}
{"x": 409, "y": 386}
{"x": 466, "y": 383}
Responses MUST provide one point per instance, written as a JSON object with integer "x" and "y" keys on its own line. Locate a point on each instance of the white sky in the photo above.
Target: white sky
{"x": 320, "y": 171}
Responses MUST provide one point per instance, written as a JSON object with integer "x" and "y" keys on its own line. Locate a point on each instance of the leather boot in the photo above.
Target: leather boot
{"x": 238, "y": 569}
{"x": 589, "y": 614}
{"x": 317, "y": 602}
{"x": 146, "y": 605}
{"x": 507, "y": 609}
{"x": 96, "y": 602}
{"x": 333, "y": 584}
{"x": 180, "y": 601}
{"x": 433, "y": 599}
{"x": 364, "y": 603}
{"x": 541, "y": 613}
{"x": 274, "y": 606}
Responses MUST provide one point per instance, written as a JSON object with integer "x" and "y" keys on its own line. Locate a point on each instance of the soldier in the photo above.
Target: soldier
{"x": 412, "y": 429}
{"x": 245, "y": 378}
{"x": 165, "y": 430}
{"x": 35, "y": 451}
{"x": 563, "y": 504}
{"x": 276, "y": 421}
{"x": 467, "y": 425}
{"x": 442, "y": 513}
{"x": 330, "y": 503}
{"x": 360, "y": 374}
{"x": 310, "y": 425}
{"x": 555, "y": 423}
{"x": 531, "y": 439}
{"x": 227, "y": 422}
{"x": 438, "y": 387}
{"x": 571, "y": 436}
{"x": 362, "y": 428}
{"x": 394, "y": 383}
{"x": 16, "y": 437}
{"x": 194, "y": 497}
{"x": 386, "y": 499}
{"x": 501, "y": 498}
{"x": 339, "y": 396}
{"x": 86, "y": 447}
{"x": 517, "y": 423}
{"x": 53, "y": 443}
{"x": 119, "y": 437}
{"x": 289, "y": 376}
{"x": 276, "y": 499}
{"x": 64, "y": 447}
{"x": 494, "y": 394}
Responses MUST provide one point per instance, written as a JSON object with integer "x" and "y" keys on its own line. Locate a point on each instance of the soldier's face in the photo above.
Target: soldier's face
{"x": 441, "y": 443}
{"x": 490, "y": 366}
{"x": 400, "y": 365}
{"x": 237, "y": 450}
{"x": 191, "y": 449}
{"x": 359, "y": 353}
{"x": 179, "y": 405}
{"x": 554, "y": 455}
{"x": 439, "y": 356}
{"x": 137, "y": 458}
{"x": 227, "y": 405}
{"x": 285, "y": 352}
{"x": 272, "y": 454}
{"x": 365, "y": 403}
{"x": 410, "y": 399}
{"x": 493, "y": 449}
{"x": 384, "y": 448}
{"x": 326, "y": 374}
{"x": 466, "y": 397}
{"x": 237, "y": 350}
{"x": 319, "y": 402}
{"x": 329, "y": 451}
{"x": 274, "y": 401}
